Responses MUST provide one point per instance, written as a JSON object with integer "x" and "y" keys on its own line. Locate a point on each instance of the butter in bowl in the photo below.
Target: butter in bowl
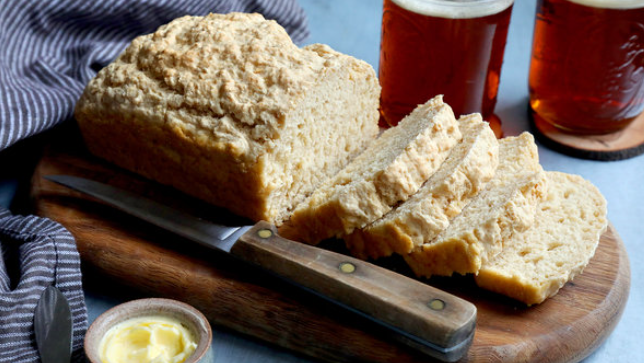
{"x": 149, "y": 330}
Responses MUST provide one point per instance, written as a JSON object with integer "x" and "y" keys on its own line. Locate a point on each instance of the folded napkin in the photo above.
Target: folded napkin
{"x": 49, "y": 50}
{"x": 35, "y": 253}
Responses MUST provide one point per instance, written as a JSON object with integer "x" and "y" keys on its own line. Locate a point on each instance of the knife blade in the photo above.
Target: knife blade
{"x": 53, "y": 327}
{"x": 427, "y": 319}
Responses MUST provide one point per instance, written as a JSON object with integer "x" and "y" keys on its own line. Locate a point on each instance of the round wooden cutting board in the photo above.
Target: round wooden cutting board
{"x": 565, "y": 328}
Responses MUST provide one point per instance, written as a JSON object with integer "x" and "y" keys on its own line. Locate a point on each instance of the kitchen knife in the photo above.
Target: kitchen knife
{"x": 427, "y": 319}
{"x": 53, "y": 327}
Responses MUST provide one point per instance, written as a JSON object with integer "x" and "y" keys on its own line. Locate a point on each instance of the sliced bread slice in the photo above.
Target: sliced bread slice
{"x": 390, "y": 170}
{"x": 535, "y": 264}
{"x": 470, "y": 165}
{"x": 506, "y": 205}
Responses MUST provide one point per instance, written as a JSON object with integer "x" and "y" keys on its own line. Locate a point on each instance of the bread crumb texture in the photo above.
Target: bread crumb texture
{"x": 227, "y": 108}
{"x": 389, "y": 171}
{"x": 470, "y": 165}
{"x": 535, "y": 264}
{"x": 506, "y": 206}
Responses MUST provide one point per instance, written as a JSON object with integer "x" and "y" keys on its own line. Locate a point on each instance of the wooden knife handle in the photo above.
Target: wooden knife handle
{"x": 438, "y": 323}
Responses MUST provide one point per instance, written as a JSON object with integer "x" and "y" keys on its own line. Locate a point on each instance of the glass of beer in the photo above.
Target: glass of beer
{"x": 587, "y": 67}
{"x": 449, "y": 47}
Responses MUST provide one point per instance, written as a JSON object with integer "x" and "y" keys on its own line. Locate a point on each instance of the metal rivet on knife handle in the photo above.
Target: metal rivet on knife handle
{"x": 264, "y": 233}
{"x": 347, "y": 267}
{"x": 436, "y": 304}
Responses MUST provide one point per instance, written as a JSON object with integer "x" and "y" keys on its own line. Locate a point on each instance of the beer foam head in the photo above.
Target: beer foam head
{"x": 455, "y": 9}
{"x": 611, "y": 4}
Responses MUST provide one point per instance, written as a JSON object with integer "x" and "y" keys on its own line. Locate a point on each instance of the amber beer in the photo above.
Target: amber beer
{"x": 431, "y": 47}
{"x": 587, "y": 68}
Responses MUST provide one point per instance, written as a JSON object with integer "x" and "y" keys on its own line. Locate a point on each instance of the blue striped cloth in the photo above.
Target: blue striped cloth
{"x": 36, "y": 253}
{"x": 49, "y": 50}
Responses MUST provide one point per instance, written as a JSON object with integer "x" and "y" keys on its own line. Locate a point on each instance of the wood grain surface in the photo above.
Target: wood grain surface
{"x": 565, "y": 328}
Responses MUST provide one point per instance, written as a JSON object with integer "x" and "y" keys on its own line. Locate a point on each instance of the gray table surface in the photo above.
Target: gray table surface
{"x": 353, "y": 27}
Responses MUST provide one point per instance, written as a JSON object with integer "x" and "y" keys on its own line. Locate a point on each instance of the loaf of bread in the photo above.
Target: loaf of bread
{"x": 470, "y": 165}
{"x": 228, "y": 109}
{"x": 535, "y": 264}
{"x": 390, "y": 170}
{"x": 507, "y": 205}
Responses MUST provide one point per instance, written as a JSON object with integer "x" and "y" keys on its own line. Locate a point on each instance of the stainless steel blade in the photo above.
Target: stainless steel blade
{"x": 196, "y": 229}
{"x": 53, "y": 327}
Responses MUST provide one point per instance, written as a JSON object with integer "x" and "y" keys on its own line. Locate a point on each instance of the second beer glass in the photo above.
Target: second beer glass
{"x": 587, "y": 68}
{"x": 448, "y": 47}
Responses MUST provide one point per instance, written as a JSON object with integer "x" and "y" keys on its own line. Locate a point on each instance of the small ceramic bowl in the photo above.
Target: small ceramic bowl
{"x": 190, "y": 317}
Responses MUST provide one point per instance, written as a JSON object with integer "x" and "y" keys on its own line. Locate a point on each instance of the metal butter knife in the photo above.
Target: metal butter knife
{"x": 53, "y": 327}
{"x": 425, "y": 318}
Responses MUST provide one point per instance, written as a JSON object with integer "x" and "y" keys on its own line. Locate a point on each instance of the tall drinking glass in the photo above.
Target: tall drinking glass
{"x": 587, "y": 68}
{"x": 448, "y": 47}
